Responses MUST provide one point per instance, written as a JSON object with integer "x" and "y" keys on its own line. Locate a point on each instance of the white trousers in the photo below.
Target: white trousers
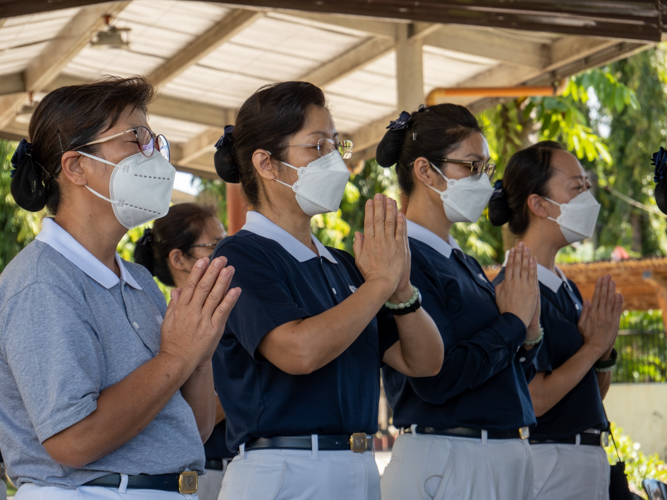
{"x": 211, "y": 483}
{"x": 570, "y": 472}
{"x": 427, "y": 467}
{"x": 301, "y": 475}
{"x": 30, "y": 491}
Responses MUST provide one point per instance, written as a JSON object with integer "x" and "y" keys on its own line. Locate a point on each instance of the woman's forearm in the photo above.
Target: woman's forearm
{"x": 547, "y": 390}
{"x": 303, "y": 346}
{"x": 199, "y": 392}
{"x": 420, "y": 351}
{"x": 123, "y": 411}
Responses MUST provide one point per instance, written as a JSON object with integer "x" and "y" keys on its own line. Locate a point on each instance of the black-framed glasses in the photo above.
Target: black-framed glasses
{"x": 325, "y": 146}
{"x": 146, "y": 140}
{"x": 477, "y": 167}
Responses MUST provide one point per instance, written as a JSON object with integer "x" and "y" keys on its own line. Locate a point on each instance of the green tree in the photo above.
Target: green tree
{"x": 635, "y": 133}
{"x": 17, "y": 226}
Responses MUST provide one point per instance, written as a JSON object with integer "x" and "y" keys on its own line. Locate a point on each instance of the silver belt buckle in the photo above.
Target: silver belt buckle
{"x": 359, "y": 442}
{"x": 524, "y": 432}
{"x": 188, "y": 482}
{"x": 604, "y": 439}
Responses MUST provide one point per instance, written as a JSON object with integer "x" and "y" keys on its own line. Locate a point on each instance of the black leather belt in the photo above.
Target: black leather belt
{"x": 184, "y": 483}
{"x": 213, "y": 464}
{"x": 522, "y": 433}
{"x": 358, "y": 442}
{"x": 585, "y": 438}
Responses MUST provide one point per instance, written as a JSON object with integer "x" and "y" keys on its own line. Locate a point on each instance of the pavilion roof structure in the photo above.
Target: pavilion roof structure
{"x": 373, "y": 59}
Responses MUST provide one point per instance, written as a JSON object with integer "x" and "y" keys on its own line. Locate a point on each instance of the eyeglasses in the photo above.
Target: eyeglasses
{"x": 325, "y": 146}
{"x": 205, "y": 245}
{"x": 146, "y": 141}
{"x": 477, "y": 167}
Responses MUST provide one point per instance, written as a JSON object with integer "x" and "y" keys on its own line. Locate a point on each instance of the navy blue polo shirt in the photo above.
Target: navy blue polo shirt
{"x": 581, "y": 408}
{"x": 215, "y": 447}
{"x": 482, "y": 383}
{"x": 282, "y": 280}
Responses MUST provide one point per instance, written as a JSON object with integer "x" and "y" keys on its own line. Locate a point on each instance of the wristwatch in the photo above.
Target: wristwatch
{"x": 608, "y": 363}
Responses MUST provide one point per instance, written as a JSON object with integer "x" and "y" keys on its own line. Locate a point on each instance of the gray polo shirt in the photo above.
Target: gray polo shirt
{"x": 69, "y": 328}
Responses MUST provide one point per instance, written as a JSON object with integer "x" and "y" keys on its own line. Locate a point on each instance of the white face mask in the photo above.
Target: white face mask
{"x": 321, "y": 184}
{"x": 577, "y": 217}
{"x": 464, "y": 199}
{"x": 140, "y": 188}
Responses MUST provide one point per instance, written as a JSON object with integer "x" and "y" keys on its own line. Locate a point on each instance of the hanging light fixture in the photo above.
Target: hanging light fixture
{"x": 111, "y": 37}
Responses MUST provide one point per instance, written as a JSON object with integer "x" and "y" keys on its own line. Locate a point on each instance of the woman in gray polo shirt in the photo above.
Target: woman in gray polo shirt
{"x": 104, "y": 391}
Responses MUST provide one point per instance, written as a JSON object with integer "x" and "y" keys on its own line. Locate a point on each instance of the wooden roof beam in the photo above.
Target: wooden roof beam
{"x": 64, "y": 47}
{"x": 495, "y": 45}
{"x": 199, "y": 48}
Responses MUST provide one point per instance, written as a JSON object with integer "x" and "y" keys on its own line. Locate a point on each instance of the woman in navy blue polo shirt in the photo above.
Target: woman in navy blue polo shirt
{"x": 298, "y": 368}
{"x": 464, "y": 430}
{"x": 169, "y": 250}
{"x": 545, "y": 196}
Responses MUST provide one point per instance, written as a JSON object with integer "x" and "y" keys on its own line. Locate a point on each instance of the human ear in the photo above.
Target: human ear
{"x": 425, "y": 173}
{"x": 177, "y": 259}
{"x": 537, "y": 205}
{"x": 71, "y": 165}
{"x": 261, "y": 160}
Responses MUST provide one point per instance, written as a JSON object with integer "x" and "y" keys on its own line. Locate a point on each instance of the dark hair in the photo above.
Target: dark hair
{"x": 527, "y": 172}
{"x": 180, "y": 228}
{"x": 65, "y": 119}
{"x": 430, "y": 132}
{"x": 267, "y": 120}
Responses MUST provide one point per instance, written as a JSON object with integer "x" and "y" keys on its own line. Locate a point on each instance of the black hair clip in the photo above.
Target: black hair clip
{"x": 226, "y": 138}
{"x": 498, "y": 190}
{"x": 401, "y": 123}
{"x": 422, "y": 108}
{"x": 660, "y": 162}
{"x": 22, "y": 157}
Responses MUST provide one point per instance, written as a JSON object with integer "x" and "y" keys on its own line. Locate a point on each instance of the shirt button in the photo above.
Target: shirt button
{"x": 135, "y": 325}
{"x": 522, "y": 359}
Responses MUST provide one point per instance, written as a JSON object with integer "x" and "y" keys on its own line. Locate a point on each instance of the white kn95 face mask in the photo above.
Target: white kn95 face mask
{"x": 139, "y": 188}
{"x": 321, "y": 184}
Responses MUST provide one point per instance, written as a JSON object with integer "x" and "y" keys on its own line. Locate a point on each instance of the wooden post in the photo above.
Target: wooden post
{"x": 409, "y": 70}
{"x": 235, "y": 208}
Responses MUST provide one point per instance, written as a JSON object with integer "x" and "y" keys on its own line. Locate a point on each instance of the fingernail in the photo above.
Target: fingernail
{"x": 369, "y": 203}
{"x": 233, "y": 293}
{"x": 225, "y": 272}
{"x": 217, "y": 263}
{"x": 201, "y": 263}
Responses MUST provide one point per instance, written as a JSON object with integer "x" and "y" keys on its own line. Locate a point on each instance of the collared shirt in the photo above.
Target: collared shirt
{"x": 282, "y": 280}
{"x": 70, "y": 328}
{"x": 482, "y": 383}
{"x": 581, "y": 408}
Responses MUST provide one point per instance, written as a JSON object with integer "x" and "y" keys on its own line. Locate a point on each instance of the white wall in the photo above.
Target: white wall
{"x": 641, "y": 411}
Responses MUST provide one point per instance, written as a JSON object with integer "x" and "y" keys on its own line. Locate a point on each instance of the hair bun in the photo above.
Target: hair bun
{"x": 27, "y": 186}
{"x": 499, "y": 209}
{"x": 143, "y": 251}
{"x": 224, "y": 160}
{"x": 389, "y": 150}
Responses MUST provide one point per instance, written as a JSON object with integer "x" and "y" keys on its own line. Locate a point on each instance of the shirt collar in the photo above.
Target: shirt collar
{"x": 551, "y": 280}
{"x": 63, "y": 243}
{"x": 258, "y": 224}
{"x": 431, "y": 239}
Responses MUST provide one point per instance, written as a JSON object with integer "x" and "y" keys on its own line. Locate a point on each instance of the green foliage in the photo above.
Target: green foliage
{"x": 647, "y": 321}
{"x": 638, "y": 466}
{"x": 18, "y": 227}
{"x": 213, "y": 192}
{"x": 635, "y": 132}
